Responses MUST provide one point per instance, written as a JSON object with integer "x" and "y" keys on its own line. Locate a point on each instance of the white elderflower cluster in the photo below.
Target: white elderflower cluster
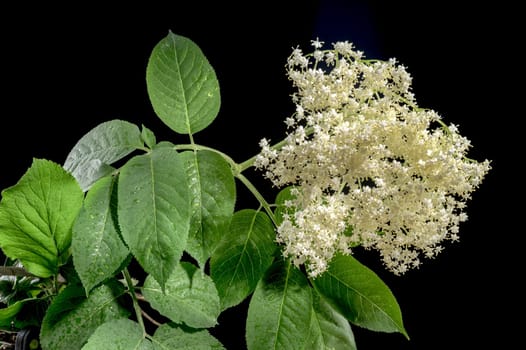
{"x": 370, "y": 167}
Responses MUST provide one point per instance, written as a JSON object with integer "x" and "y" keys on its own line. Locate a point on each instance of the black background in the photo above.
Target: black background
{"x": 65, "y": 69}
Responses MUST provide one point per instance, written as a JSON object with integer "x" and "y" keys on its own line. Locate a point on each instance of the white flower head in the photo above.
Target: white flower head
{"x": 370, "y": 166}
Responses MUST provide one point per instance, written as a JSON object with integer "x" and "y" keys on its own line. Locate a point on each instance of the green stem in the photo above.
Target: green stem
{"x": 191, "y": 138}
{"x": 258, "y": 196}
{"x": 136, "y": 307}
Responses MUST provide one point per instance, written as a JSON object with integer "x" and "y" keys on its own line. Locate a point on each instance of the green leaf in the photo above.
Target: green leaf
{"x": 105, "y": 144}
{"x": 119, "y": 334}
{"x": 328, "y": 329}
{"x": 167, "y": 337}
{"x": 154, "y": 210}
{"x": 280, "y": 310}
{"x": 97, "y": 248}
{"x": 190, "y": 296}
{"x": 213, "y": 192}
{"x": 7, "y": 314}
{"x": 244, "y": 255}
{"x": 148, "y": 137}
{"x": 72, "y": 318}
{"x": 182, "y": 85}
{"x": 360, "y": 295}
{"x": 37, "y": 215}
